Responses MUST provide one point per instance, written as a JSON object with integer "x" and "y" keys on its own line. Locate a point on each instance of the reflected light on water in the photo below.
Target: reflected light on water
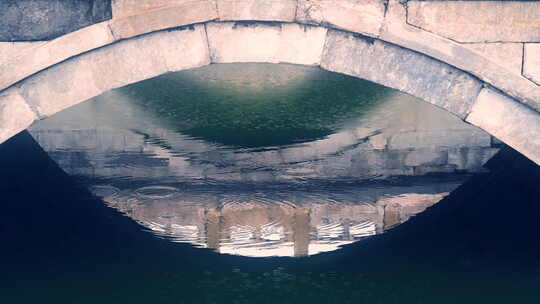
{"x": 264, "y": 160}
{"x": 277, "y": 221}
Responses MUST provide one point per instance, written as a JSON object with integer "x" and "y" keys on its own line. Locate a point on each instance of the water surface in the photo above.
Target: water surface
{"x": 113, "y": 201}
{"x": 264, "y": 160}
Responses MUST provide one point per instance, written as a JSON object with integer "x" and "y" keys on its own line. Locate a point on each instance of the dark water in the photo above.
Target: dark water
{"x": 145, "y": 198}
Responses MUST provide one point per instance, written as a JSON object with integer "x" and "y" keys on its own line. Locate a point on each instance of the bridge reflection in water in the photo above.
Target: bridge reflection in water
{"x": 282, "y": 221}
{"x": 264, "y": 160}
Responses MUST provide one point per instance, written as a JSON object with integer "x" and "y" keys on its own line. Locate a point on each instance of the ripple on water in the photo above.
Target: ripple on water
{"x": 273, "y": 231}
{"x": 156, "y": 192}
{"x": 330, "y": 231}
{"x": 104, "y": 191}
{"x": 284, "y": 220}
{"x": 363, "y": 229}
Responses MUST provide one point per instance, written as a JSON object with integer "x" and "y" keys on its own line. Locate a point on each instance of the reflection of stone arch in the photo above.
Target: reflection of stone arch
{"x": 293, "y": 219}
{"x": 300, "y": 224}
{"x": 297, "y": 223}
{"x": 77, "y": 66}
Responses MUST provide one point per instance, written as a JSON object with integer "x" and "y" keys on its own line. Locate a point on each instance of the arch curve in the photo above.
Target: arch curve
{"x": 114, "y": 64}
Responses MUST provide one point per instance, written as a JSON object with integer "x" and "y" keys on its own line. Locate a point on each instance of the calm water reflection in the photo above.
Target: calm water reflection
{"x": 264, "y": 160}
{"x": 282, "y": 220}
{"x": 349, "y": 172}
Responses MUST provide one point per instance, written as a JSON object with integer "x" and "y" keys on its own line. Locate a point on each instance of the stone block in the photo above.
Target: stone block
{"x": 404, "y": 206}
{"x": 31, "y": 20}
{"x": 262, "y": 42}
{"x": 443, "y": 138}
{"x": 150, "y": 55}
{"x": 531, "y": 62}
{"x": 15, "y": 114}
{"x": 364, "y": 17}
{"x": 301, "y": 44}
{"x": 185, "y": 13}
{"x": 114, "y": 66}
{"x": 375, "y": 163}
{"x": 43, "y": 56}
{"x": 257, "y": 10}
{"x": 60, "y": 87}
{"x": 397, "y": 31}
{"x": 243, "y": 42}
{"x": 10, "y": 50}
{"x": 401, "y": 69}
{"x": 470, "y": 158}
{"x": 122, "y": 8}
{"x": 427, "y": 169}
{"x": 507, "y": 55}
{"x": 425, "y": 156}
{"x": 184, "y": 49}
{"x": 478, "y": 21}
{"x": 378, "y": 142}
{"x": 515, "y": 124}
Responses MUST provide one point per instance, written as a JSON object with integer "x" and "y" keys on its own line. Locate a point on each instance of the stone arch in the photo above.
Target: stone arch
{"x": 114, "y": 64}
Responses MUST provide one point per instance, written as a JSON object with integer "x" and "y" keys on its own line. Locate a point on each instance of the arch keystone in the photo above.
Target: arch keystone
{"x": 264, "y": 42}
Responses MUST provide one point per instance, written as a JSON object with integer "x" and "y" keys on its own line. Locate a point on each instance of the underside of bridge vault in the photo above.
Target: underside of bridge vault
{"x": 387, "y": 42}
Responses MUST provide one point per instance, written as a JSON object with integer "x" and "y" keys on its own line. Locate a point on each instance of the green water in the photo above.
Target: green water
{"x": 258, "y": 111}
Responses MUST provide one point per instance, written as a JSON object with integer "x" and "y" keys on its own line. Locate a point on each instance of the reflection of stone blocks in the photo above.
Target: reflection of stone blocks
{"x": 391, "y": 215}
{"x": 446, "y": 138}
{"x": 398, "y": 209}
{"x": 420, "y": 157}
{"x": 426, "y": 169}
{"x": 470, "y": 158}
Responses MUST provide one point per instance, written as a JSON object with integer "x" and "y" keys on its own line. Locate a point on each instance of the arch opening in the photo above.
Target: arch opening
{"x": 381, "y": 157}
{"x": 135, "y": 59}
{"x": 487, "y": 227}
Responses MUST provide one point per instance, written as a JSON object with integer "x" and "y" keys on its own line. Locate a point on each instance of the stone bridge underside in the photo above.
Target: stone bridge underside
{"x": 492, "y": 84}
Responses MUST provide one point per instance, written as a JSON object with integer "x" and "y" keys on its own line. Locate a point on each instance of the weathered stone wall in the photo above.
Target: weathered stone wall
{"x": 31, "y": 20}
{"x": 507, "y": 32}
{"x": 477, "y": 21}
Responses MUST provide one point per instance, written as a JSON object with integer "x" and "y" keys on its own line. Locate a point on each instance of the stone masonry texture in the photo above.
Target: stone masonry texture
{"x": 32, "y": 20}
